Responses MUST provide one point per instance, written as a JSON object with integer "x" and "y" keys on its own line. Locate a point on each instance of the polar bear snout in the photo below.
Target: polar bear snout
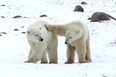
{"x": 68, "y": 39}
{"x": 65, "y": 42}
{"x": 40, "y": 39}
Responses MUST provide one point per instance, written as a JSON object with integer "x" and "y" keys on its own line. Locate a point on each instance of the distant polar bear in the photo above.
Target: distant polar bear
{"x": 77, "y": 38}
{"x": 40, "y": 41}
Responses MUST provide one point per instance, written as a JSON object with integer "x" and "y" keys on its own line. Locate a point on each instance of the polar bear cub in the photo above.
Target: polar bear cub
{"x": 40, "y": 41}
{"x": 77, "y": 38}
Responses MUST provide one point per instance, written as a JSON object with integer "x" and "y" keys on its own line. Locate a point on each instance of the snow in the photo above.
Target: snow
{"x": 14, "y": 47}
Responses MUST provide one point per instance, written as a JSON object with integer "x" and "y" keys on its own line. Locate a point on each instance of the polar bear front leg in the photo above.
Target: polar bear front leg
{"x": 30, "y": 53}
{"x": 44, "y": 59}
{"x": 53, "y": 57}
{"x": 70, "y": 54}
{"x": 35, "y": 56}
{"x": 81, "y": 52}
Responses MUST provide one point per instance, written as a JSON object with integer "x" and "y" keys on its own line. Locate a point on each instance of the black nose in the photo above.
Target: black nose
{"x": 41, "y": 39}
{"x": 65, "y": 42}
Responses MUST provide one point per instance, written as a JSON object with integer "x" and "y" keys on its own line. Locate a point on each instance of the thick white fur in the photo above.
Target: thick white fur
{"x": 77, "y": 38}
{"x": 40, "y": 41}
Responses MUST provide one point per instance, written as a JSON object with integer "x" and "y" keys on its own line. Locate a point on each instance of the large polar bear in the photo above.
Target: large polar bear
{"x": 77, "y": 38}
{"x": 40, "y": 41}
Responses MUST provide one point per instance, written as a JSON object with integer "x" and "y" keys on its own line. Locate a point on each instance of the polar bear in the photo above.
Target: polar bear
{"x": 40, "y": 41}
{"x": 77, "y": 38}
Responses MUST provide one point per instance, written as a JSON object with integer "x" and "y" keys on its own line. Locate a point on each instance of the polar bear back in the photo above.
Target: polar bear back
{"x": 78, "y": 25}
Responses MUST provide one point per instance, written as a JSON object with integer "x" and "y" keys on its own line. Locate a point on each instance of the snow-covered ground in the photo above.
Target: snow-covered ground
{"x": 14, "y": 47}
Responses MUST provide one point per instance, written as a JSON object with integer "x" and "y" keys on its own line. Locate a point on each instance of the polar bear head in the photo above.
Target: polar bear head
{"x": 72, "y": 35}
{"x": 34, "y": 35}
{"x": 36, "y": 32}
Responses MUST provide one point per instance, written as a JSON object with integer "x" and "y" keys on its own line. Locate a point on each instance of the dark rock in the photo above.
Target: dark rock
{"x": 83, "y": 3}
{"x": 22, "y": 26}
{"x": 16, "y": 30}
{"x": 100, "y": 16}
{"x": 23, "y": 32}
{"x": 3, "y": 5}
{"x": 44, "y": 15}
{"x": 2, "y": 17}
{"x": 78, "y": 8}
{"x": 17, "y": 16}
{"x": 3, "y": 32}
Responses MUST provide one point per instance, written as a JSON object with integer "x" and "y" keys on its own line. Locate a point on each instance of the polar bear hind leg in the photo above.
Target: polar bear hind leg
{"x": 88, "y": 53}
{"x": 52, "y": 51}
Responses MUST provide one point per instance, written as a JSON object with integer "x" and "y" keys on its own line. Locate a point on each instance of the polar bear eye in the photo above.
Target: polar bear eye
{"x": 36, "y": 35}
{"x": 40, "y": 28}
{"x": 70, "y": 37}
{"x": 28, "y": 32}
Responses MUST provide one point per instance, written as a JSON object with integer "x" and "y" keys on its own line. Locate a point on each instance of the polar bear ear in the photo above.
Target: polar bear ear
{"x": 76, "y": 32}
{"x": 28, "y": 32}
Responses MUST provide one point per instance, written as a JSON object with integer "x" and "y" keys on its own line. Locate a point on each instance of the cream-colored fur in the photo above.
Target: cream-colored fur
{"x": 40, "y": 41}
{"x": 77, "y": 38}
